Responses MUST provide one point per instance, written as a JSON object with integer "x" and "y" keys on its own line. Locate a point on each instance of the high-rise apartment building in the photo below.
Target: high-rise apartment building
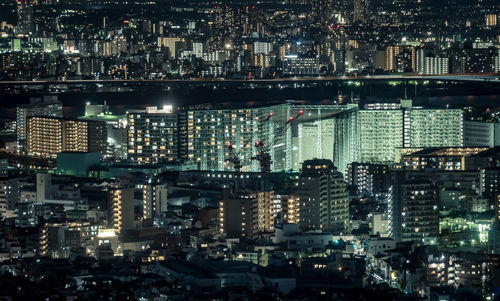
{"x": 414, "y": 210}
{"x": 153, "y": 135}
{"x": 287, "y": 208}
{"x": 315, "y": 140}
{"x": 480, "y": 133}
{"x": 48, "y": 136}
{"x": 368, "y": 177}
{"x": 154, "y": 200}
{"x": 121, "y": 208}
{"x": 430, "y": 64}
{"x": 433, "y": 127}
{"x": 207, "y": 133}
{"x": 41, "y": 107}
{"x": 246, "y": 215}
{"x": 381, "y": 132}
{"x": 372, "y": 135}
{"x": 324, "y": 200}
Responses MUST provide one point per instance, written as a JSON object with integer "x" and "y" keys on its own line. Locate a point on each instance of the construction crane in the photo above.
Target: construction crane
{"x": 234, "y": 157}
{"x": 263, "y": 155}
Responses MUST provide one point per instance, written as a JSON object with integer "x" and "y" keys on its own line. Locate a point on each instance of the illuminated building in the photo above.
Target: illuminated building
{"x": 301, "y": 65}
{"x": 122, "y": 209}
{"x": 381, "y": 132}
{"x": 489, "y": 182}
{"x": 58, "y": 240}
{"x": 450, "y": 158}
{"x": 432, "y": 127}
{"x": 44, "y": 136}
{"x": 46, "y": 106}
{"x": 368, "y": 178}
{"x": 48, "y": 136}
{"x": 324, "y": 200}
{"x": 427, "y": 64}
{"x": 491, "y": 20}
{"x": 413, "y": 207}
{"x": 287, "y": 208}
{"x": 154, "y": 200}
{"x": 170, "y": 43}
{"x": 373, "y": 135}
{"x": 208, "y": 131}
{"x": 9, "y": 194}
{"x": 246, "y": 215}
{"x": 153, "y": 136}
{"x": 479, "y": 133}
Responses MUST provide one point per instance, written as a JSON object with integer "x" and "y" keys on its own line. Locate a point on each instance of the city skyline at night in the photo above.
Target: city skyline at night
{"x": 249, "y": 150}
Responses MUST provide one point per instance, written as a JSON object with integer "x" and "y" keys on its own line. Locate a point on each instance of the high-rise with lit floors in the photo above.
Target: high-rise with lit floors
{"x": 413, "y": 209}
{"x": 381, "y": 132}
{"x": 246, "y": 215}
{"x": 46, "y": 106}
{"x": 153, "y": 135}
{"x": 48, "y": 136}
{"x": 324, "y": 200}
{"x": 154, "y": 200}
{"x": 121, "y": 208}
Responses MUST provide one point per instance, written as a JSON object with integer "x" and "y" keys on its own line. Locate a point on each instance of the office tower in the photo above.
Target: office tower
{"x": 324, "y": 200}
{"x": 121, "y": 209}
{"x": 413, "y": 208}
{"x": 25, "y": 19}
{"x": 246, "y": 215}
{"x": 46, "y": 106}
{"x": 48, "y": 136}
{"x": 154, "y": 200}
{"x": 368, "y": 177}
{"x": 153, "y": 136}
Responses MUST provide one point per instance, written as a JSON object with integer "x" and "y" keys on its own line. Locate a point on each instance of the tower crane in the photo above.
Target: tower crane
{"x": 263, "y": 155}
{"x": 234, "y": 157}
